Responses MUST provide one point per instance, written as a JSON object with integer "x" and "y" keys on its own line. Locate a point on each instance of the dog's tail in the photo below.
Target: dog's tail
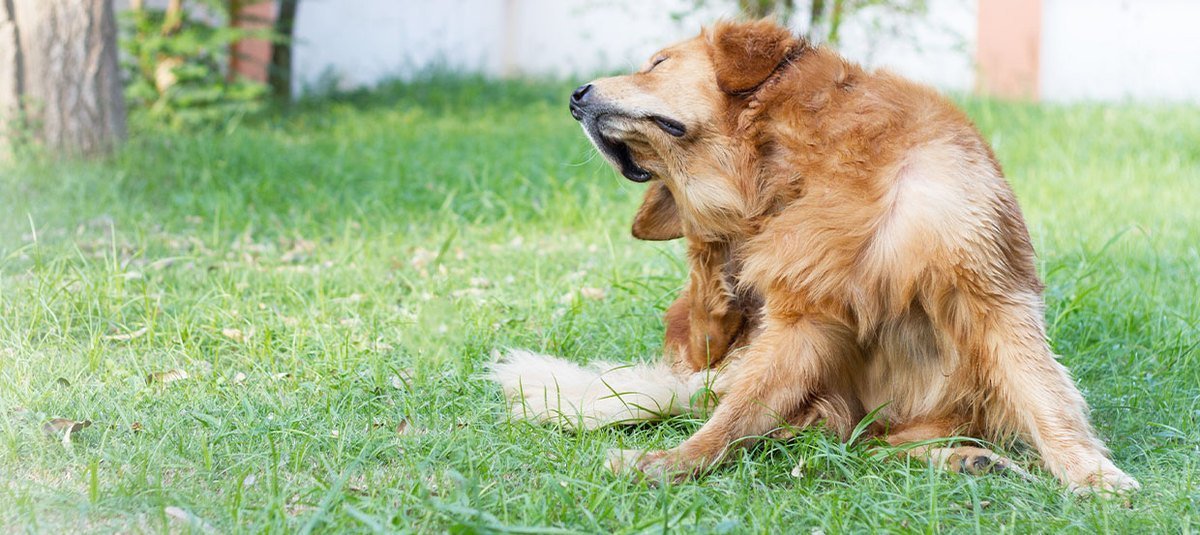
{"x": 543, "y": 388}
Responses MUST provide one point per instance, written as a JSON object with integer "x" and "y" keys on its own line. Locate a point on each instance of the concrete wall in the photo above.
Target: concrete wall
{"x": 1115, "y": 50}
{"x": 579, "y": 38}
{"x": 1107, "y": 50}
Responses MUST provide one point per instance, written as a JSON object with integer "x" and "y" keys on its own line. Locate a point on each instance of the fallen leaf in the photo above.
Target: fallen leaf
{"x": 64, "y": 427}
{"x": 167, "y": 377}
{"x": 181, "y": 515}
{"x": 301, "y": 250}
{"x": 137, "y": 427}
{"x": 402, "y": 380}
{"x": 239, "y": 378}
{"x": 126, "y": 336}
{"x": 595, "y": 294}
{"x": 468, "y": 292}
{"x": 798, "y": 470}
{"x": 162, "y": 263}
{"x": 405, "y": 429}
{"x": 237, "y": 335}
{"x": 481, "y": 282}
{"x": 295, "y": 507}
{"x": 352, "y": 298}
{"x": 566, "y": 298}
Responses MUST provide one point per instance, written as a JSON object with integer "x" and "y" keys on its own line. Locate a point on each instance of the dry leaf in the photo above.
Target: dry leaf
{"x": 137, "y": 427}
{"x": 798, "y": 470}
{"x": 421, "y": 258}
{"x": 239, "y": 378}
{"x": 402, "y": 380}
{"x": 65, "y": 427}
{"x": 300, "y": 251}
{"x": 406, "y": 429}
{"x": 182, "y": 515}
{"x": 468, "y": 292}
{"x": 596, "y": 294}
{"x": 162, "y": 263}
{"x": 237, "y": 335}
{"x": 126, "y": 336}
{"x": 166, "y": 377}
{"x": 481, "y": 282}
{"x": 566, "y": 298}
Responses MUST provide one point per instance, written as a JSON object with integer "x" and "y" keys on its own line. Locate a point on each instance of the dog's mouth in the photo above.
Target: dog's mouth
{"x": 618, "y": 152}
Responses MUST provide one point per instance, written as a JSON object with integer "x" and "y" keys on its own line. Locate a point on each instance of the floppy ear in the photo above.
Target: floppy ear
{"x": 744, "y": 54}
{"x": 658, "y": 218}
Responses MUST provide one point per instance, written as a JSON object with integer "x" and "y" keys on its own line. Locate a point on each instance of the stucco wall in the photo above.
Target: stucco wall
{"x": 1120, "y": 49}
{"x": 579, "y": 38}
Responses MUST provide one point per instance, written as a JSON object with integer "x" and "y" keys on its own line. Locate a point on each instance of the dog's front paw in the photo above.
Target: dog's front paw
{"x": 1109, "y": 480}
{"x": 652, "y": 466}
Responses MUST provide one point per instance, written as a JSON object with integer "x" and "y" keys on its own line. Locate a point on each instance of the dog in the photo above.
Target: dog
{"x": 853, "y": 247}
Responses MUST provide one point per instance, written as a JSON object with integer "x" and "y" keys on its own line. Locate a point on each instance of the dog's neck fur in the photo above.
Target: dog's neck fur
{"x": 727, "y": 198}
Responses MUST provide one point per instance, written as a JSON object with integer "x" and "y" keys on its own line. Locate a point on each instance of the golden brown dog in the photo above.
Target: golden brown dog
{"x": 853, "y": 245}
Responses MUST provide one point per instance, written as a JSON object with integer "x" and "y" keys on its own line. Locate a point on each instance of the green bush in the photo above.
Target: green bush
{"x": 176, "y": 65}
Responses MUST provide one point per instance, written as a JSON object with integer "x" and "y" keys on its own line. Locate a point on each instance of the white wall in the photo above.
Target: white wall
{"x": 360, "y": 42}
{"x": 1120, "y": 49}
{"x": 1091, "y": 49}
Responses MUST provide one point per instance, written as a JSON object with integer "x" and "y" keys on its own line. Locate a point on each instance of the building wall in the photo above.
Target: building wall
{"x": 1104, "y": 50}
{"x": 1112, "y": 50}
{"x": 580, "y": 38}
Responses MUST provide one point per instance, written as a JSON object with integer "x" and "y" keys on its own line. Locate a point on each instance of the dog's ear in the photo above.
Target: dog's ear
{"x": 658, "y": 218}
{"x": 744, "y": 54}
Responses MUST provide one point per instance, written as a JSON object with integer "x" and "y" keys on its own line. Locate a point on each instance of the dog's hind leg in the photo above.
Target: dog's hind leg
{"x": 1031, "y": 393}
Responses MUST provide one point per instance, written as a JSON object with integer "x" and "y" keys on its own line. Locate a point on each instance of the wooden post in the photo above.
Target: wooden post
{"x": 251, "y": 58}
{"x": 1009, "y": 48}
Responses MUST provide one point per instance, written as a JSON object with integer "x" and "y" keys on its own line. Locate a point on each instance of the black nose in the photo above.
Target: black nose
{"x": 580, "y": 92}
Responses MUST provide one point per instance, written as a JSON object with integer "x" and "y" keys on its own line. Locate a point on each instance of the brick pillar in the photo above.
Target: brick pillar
{"x": 250, "y": 58}
{"x": 1010, "y": 36}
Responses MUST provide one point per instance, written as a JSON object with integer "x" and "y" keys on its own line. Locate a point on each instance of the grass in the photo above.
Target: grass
{"x": 327, "y": 275}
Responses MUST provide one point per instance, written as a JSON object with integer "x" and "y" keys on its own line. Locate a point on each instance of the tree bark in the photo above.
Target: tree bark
{"x": 59, "y": 74}
{"x": 10, "y": 78}
{"x": 281, "y": 52}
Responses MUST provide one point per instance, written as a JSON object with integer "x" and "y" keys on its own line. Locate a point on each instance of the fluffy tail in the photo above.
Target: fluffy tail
{"x": 542, "y": 388}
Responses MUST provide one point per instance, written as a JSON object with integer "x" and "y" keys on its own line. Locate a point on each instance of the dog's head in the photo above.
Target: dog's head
{"x": 672, "y": 121}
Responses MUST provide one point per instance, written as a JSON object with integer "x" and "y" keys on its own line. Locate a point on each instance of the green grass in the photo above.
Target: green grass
{"x": 379, "y": 247}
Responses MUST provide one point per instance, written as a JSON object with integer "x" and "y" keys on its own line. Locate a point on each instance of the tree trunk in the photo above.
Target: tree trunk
{"x": 281, "y": 51}
{"x": 10, "y": 78}
{"x": 59, "y": 75}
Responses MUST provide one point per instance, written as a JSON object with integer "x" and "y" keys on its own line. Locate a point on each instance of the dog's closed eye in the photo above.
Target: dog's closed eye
{"x": 654, "y": 62}
{"x": 670, "y": 126}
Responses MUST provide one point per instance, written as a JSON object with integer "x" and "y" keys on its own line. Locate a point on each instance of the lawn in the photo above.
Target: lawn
{"x": 333, "y": 279}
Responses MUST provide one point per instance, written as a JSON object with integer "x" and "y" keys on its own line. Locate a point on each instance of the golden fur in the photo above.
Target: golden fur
{"x": 853, "y": 245}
